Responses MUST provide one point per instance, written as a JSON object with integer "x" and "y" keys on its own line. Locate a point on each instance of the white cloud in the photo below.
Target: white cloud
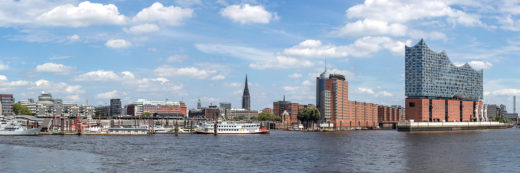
{"x": 295, "y": 75}
{"x": 170, "y": 15}
{"x": 373, "y": 27}
{"x": 110, "y": 94}
{"x": 176, "y": 58}
{"x": 281, "y": 62}
{"x": 314, "y": 48}
{"x": 168, "y": 71}
{"x": 477, "y": 64}
{"x": 73, "y": 88}
{"x": 362, "y": 47}
{"x": 235, "y": 51}
{"x": 218, "y": 77}
{"x": 73, "y": 38}
{"x": 246, "y": 13}
{"x": 141, "y": 29}
{"x": 84, "y": 14}
{"x": 118, "y": 43}
{"x": 101, "y": 75}
{"x": 374, "y": 93}
{"x": 366, "y": 91}
{"x": 3, "y": 66}
{"x": 3, "y": 78}
{"x": 53, "y": 68}
{"x": 405, "y": 11}
{"x": 506, "y": 92}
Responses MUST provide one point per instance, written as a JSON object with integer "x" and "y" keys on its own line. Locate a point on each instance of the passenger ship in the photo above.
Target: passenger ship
{"x": 232, "y": 128}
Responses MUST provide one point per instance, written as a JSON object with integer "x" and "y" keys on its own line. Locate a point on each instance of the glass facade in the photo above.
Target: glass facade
{"x": 432, "y": 75}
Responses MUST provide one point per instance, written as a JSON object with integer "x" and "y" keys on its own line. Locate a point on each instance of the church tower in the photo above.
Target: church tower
{"x": 246, "y": 99}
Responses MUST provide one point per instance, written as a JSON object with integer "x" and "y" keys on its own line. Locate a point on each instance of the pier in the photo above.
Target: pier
{"x": 449, "y": 126}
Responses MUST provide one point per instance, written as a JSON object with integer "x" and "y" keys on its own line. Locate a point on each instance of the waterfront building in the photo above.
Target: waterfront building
{"x": 389, "y": 113}
{"x": 291, "y": 109}
{"x": 246, "y": 98}
{"x": 335, "y": 108}
{"x": 157, "y": 108}
{"x": 46, "y": 106}
{"x": 437, "y": 90}
{"x": 494, "y": 111}
{"x": 7, "y": 102}
{"x": 267, "y": 110}
{"x": 234, "y": 112}
{"x": 115, "y": 107}
{"x": 103, "y": 111}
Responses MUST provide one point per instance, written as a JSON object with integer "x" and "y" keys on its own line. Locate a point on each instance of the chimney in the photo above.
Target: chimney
{"x": 514, "y": 104}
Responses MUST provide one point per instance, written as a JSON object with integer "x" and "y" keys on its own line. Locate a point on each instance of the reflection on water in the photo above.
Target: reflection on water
{"x": 280, "y": 151}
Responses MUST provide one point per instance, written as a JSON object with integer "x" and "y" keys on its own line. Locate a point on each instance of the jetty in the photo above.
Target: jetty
{"x": 449, "y": 126}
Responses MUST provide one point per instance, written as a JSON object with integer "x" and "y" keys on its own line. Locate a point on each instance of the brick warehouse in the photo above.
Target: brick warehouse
{"x": 292, "y": 109}
{"x": 336, "y": 110}
{"x": 437, "y": 90}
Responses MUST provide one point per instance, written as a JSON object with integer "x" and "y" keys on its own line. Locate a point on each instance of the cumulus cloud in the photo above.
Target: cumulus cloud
{"x": 246, "y": 13}
{"x": 366, "y": 90}
{"x": 118, "y": 43}
{"x": 141, "y": 29}
{"x": 281, "y": 62}
{"x": 168, "y": 71}
{"x": 314, "y": 48}
{"x": 101, "y": 75}
{"x": 53, "y": 68}
{"x": 84, "y": 14}
{"x": 373, "y": 27}
{"x": 157, "y": 12}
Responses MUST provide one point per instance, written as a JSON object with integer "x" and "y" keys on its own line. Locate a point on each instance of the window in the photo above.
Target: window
{"x": 411, "y": 104}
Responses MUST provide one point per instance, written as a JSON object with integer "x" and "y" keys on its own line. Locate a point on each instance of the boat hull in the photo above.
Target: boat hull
{"x": 28, "y": 132}
{"x": 203, "y": 132}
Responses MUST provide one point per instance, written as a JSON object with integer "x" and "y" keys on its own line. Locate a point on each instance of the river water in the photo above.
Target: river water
{"x": 280, "y": 151}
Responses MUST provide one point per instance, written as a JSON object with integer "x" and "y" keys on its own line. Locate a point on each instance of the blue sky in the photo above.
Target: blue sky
{"x": 190, "y": 49}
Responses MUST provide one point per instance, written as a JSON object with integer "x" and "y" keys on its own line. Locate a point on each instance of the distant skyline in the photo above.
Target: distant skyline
{"x": 182, "y": 50}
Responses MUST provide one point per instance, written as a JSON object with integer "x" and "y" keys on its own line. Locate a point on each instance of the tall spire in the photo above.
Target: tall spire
{"x": 246, "y": 99}
{"x": 325, "y": 63}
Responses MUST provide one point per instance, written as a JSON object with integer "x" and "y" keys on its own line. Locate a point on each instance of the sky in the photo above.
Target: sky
{"x": 185, "y": 50}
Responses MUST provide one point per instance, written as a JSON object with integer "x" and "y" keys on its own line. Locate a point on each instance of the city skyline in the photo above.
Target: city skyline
{"x": 179, "y": 50}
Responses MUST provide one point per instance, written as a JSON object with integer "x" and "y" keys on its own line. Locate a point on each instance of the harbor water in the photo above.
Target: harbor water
{"x": 279, "y": 151}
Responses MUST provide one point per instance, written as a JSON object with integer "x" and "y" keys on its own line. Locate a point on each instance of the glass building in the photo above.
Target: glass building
{"x": 432, "y": 75}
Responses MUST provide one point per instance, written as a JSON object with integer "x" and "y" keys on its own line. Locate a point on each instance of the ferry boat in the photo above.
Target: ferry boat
{"x": 15, "y": 128}
{"x": 232, "y": 128}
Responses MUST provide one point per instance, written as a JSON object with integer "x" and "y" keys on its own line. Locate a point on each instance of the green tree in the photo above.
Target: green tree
{"x": 147, "y": 114}
{"x": 239, "y": 118}
{"x": 20, "y": 109}
{"x": 265, "y": 116}
{"x": 309, "y": 116}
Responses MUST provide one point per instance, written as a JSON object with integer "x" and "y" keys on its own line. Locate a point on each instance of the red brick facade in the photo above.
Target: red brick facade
{"x": 389, "y": 114}
{"x": 291, "y": 108}
{"x": 450, "y": 110}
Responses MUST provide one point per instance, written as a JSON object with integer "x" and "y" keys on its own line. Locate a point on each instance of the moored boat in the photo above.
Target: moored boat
{"x": 232, "y": 128}
{"x": 15, "y": 128}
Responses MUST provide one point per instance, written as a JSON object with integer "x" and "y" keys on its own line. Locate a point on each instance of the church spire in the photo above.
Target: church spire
{"x": 246, "y": 98}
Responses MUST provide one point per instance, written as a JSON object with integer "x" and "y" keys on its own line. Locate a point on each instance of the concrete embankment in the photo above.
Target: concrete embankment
{"x": 449, "y": 126}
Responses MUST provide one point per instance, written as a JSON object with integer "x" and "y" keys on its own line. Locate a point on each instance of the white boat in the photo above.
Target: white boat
{"x": 14, "y": 128}
{"x": 232, "y": 128}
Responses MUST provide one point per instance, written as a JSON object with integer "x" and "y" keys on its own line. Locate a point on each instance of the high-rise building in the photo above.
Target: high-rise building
{"x": 437, "y": 90}
{"x": 225, "y": 105}
{"x": 335, "y": 108}
{"x": 246, "y": 99}
{"x": 7, "y": 102}
{"x": 115, "y": 107}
